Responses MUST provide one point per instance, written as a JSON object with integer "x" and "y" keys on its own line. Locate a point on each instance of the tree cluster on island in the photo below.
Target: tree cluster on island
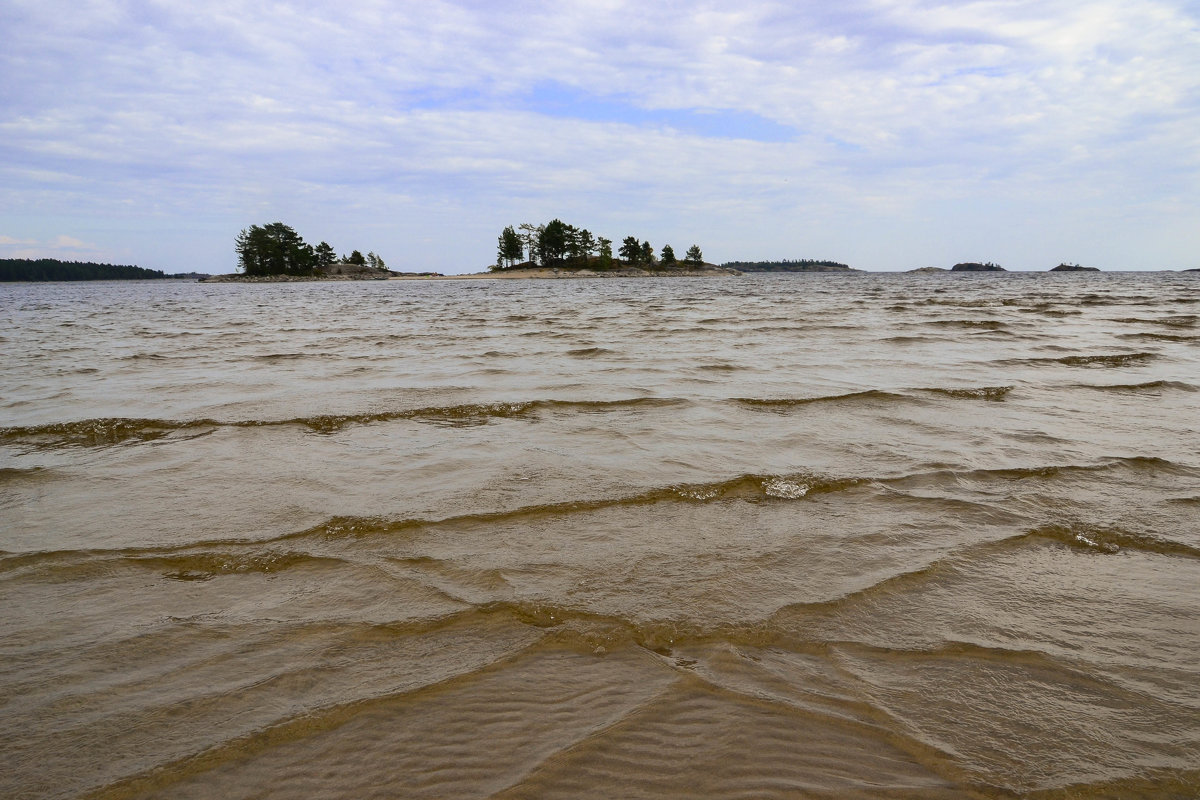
{"x": 51, "y": 269}
{"x": 788, "y": 265}
{"x": 276, "y": 249}
{"x": 558, "y": 244}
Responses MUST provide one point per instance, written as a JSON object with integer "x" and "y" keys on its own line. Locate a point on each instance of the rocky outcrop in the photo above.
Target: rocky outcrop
{"x": 357, "y": 272}
{"x": 333, "y": 272}
{"x": 1074, "y": 268}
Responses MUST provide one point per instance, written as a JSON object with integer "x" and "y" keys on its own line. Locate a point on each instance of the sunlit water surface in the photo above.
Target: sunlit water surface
{"x": 878, "y": 536}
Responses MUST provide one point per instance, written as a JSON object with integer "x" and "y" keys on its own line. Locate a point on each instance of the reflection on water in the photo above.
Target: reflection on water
{"x": 913, "y": 536}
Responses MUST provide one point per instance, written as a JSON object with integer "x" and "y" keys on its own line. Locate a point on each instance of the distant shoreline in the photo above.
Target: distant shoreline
{"x": 556, "y": 273}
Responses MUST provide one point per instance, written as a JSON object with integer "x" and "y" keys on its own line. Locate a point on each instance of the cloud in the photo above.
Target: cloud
{"x": 61, "y": 247}
{"x": 745, "y": 116}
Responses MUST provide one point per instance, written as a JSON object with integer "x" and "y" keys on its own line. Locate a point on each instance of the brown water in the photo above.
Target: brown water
{"x": 889, "y": 536}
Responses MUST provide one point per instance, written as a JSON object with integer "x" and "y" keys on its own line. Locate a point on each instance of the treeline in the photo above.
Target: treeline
{"x": 276, "y": 249}
{"x": 787, "y": 265}
{"x": 558, "y": 243}
{"x": 51, "y": 269}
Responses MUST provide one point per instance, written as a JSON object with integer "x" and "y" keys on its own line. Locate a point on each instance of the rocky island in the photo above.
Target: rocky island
{"x": 975, "y": 266}
{"x": 1073, "y": 268}
{"x": 789, "y": 265}
{"x": 594, "y": 270}
{"x": 338, "y": 271}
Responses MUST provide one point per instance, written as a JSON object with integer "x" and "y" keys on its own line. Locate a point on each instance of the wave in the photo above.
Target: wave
{"x": 590, "y": 352}
{"x": 1159, "y": 337}
{"x": 1111, "y": 540}
{"x": 186, "y": 563}
{"x": 1113, "y": 360}
{"x": 989, "y": 324}
{"x": 749, "y": 487}
{"x": 1104, "y": 360}
{"x": 14, "y": 474}
{"x": 118, "y": 430}
{"x": 980, "y": 393}
{"x": 875, "y": 395}
{"x": 909, "y": 339}
{"x": 1129, "y": 463}
{"x": 98, "y": 432}
{"x": 1148, "y": 386}
{"x": 783, "y": 404}
{"x": 216, "y": 556}
{"x": 1186, "y": 321}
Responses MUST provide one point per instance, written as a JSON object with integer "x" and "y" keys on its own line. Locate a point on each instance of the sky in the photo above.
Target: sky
{"x": 885, "y": 134}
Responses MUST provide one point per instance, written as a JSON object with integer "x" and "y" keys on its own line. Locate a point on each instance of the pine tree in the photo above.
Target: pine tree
{"x": 631, "y": 250}
{"x": 274, "y": 249}
{"x": 605, "y": 248}
{"x": 509, "y": 250}
{"x": 324, "y": 254}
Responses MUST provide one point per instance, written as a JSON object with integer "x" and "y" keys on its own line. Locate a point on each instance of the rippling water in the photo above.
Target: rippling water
{"x": 900, "y": 536}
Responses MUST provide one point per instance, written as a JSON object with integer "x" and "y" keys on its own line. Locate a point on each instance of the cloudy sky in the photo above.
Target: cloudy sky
{"x": 888, "y": 134}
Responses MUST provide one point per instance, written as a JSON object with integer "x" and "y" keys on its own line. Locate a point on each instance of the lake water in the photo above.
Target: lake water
{"x": 877, "y": 536}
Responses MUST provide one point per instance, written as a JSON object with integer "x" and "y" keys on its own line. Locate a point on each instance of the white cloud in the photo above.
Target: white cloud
{"x": 219, "y": 112}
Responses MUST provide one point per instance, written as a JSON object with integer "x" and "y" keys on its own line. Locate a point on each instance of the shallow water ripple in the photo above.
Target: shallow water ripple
{"x": 871, "y": 536}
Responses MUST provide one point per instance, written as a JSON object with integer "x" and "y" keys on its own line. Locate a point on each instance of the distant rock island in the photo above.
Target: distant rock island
{"x": 929, "y": 269}
{"x": 789, "y": 265}
{"x": 1073, "y": 268}
{"x": 975, "y": 266}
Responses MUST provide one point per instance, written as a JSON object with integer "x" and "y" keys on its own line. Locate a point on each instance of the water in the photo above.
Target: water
{"x": 919, "y": 536}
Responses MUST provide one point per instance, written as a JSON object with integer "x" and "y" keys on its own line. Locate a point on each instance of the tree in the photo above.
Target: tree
{"x": 694, "y": 257}
{"x": 375, "y": 262}
{"x": 531, "y": 234}
{"x": 324, "y": 254}
{"x": 605, "y": 248}
{"x": 274, "y": 249}
{"x": 631, "y": 250}
{"x": 509, "y": 250}
{"x": 586, "y": 244}
{"x": 356, "y": 257}
{"x": 668, "y": 256}
{"x": 647, "y": 254}
{"x": 552, "y": 244}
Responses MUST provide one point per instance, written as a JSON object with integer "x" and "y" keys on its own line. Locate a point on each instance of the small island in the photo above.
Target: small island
{"x": 558, "y": 249}
{"x": 975, "y": 266}
{"x": 1073, "y": 268}
{"x": 275, "y": 253}
{"x": 789, "y": 265}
